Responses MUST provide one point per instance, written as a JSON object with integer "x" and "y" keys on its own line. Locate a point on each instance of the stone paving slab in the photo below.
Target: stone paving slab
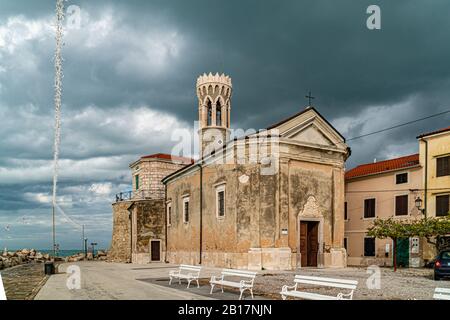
{"x": 203, "y": 289}
{"x": 23, "y": 282}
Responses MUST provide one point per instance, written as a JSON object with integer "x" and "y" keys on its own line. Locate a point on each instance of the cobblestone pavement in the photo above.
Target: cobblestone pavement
{"x": 23, "y": 282}
{"x": 101, "y": 280}
{"x": 405, "y": 284}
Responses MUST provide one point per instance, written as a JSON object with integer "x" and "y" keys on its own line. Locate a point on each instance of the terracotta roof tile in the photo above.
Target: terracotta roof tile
{"x": 433, "y": 132}
{"x": 166, "y": 156}
{"x": 383, "y": 166}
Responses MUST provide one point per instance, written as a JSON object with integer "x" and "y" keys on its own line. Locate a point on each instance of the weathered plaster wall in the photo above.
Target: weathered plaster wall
{"x": 148, "y": 224}
{"x": 258, "y": 208}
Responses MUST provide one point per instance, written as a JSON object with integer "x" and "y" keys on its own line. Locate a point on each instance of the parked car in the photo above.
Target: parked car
{"x": 442, "y": 265}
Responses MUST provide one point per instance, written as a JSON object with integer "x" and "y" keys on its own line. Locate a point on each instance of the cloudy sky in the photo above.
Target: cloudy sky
{"x": 130, "y": 71}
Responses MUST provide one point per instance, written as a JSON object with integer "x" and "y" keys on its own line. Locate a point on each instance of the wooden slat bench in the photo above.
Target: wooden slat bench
{"x": 187, "y": 272}
{"x": 441, "y": 294}
{"x": 293, "y": 291}
{"x": 236, "y": 282}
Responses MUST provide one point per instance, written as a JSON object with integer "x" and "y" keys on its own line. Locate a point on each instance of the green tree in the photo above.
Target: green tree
{"x": 433, "y": 229}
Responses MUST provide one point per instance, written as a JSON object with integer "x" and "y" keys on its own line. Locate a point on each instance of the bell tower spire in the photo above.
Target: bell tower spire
{"x": 214, "y": 106}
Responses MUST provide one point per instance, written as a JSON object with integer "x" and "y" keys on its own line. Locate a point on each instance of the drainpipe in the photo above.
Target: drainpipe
{"x": 131, "y": 234}
{"x": 201, "y": 213}
{"x": 426, "y": 179}
{"x": 165, "y": 223}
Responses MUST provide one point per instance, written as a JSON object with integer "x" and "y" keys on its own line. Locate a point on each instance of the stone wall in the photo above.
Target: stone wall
{"x": 120, "y": 250}
{"x": 148, "y": 224}
{"x": 151, "y": 172}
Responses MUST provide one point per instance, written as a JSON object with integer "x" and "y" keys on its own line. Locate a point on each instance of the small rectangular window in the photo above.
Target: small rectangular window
{"x": 369, "y": 247}
{"x": 369, "y": 208}
{"x": 221, "y": 203}
{"x": 136, "y": 177}
{"x": 401, "y": 205}
{"x": 443, "y": 166}
{"x": 345, "y": 211}
{"x": 169, "y": 214}
{"x": 401, "y": 178}
{"x": 186, "y": 210}
{"x": 442, "y": 205}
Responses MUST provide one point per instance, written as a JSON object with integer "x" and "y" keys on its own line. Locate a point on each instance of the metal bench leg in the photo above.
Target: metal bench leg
{"x": 251, "y": 291}
{"x": 283, "y": 297}
{"x": 212, "y": 287}
{"x": 222, "y": 288}
{"x": 170, "y": 282}
{"x": 198, "y": 285}
{"x": 189, "y": 283}
{"x": 240, "y": 297}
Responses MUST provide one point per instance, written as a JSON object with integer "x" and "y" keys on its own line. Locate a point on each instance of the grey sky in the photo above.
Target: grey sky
{"x": 130, "y": 73}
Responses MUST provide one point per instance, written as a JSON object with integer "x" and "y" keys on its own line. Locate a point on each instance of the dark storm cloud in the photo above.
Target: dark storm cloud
{"x": 130, "y": 73}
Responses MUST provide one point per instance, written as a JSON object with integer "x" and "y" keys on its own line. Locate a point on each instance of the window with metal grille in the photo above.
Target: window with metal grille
{"x": 369, "y": 208}
{"x": 345, "y": 211}
{"x": 442, "y": 205}
{"x": 443, "y": 166}
{"x": 401, "y": 178}
{"x": 221, "y": 203}
{"x": 401, "y": 205}
{"x": 369, "y": 247}
{"x": 169, "y": 214}
{"x": 186, "y": 210}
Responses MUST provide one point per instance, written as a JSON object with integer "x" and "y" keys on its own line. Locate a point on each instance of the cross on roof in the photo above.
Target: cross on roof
{"x": 309, "y": 97}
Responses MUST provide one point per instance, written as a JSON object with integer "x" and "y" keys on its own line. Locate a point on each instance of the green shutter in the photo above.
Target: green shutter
{"x": 137, "y": 181}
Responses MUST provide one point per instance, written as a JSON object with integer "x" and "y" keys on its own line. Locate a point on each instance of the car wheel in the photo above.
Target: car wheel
{"x": 436, "y": 277}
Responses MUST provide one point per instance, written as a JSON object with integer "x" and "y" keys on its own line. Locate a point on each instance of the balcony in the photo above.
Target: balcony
{"x": 134, "y": 195}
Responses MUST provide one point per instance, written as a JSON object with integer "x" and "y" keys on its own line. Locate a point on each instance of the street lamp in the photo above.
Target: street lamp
{"x": 85, "y": 246}
{"x": 418, "y": 203}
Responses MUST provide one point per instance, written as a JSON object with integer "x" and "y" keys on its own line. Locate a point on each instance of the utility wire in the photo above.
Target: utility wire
{"x": 399, "y": 125}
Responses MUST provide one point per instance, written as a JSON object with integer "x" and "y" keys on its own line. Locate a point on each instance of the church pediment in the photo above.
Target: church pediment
{"x": 310, "y": 134}
{"x": 310, "y": 127}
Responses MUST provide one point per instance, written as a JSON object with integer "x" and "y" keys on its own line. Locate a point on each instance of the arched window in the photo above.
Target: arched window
{"x": 218, "y": 114}
{"x": 209, "y": 115}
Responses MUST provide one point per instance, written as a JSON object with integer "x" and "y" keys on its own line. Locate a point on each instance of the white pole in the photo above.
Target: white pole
{"x": 57, "y": 100}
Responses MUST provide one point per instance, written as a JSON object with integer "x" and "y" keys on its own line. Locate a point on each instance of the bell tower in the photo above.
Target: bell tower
{"x": 214, "y": 106}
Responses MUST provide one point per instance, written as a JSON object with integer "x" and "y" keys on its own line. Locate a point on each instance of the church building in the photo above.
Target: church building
{"x": 272, "y": 199}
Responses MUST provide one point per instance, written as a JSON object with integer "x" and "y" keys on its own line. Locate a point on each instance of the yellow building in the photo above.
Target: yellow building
{"x": 434, "y": 150}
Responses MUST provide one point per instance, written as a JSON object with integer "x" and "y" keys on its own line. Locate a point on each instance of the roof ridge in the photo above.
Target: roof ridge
{"x": 378, "y": 162}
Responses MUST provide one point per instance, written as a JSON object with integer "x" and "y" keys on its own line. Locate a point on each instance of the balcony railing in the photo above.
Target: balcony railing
{"x": 134, "y": 195}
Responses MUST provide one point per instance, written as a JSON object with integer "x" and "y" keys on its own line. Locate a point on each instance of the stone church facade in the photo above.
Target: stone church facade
{"x": 273, "y": 199}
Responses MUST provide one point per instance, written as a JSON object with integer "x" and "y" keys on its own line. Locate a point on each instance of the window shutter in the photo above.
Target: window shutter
{"x": 442, "y": 205}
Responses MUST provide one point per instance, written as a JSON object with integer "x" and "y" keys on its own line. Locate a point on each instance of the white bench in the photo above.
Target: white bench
{"x": 2, "y": 289}
{"x": 292, "y": 291}
{"x": 441, "y": 294}
{"x": 241, "y": 284}
{"x": 187, "y": 272}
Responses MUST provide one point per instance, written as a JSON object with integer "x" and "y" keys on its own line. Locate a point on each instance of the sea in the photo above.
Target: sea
{"x": 62, "y": 253}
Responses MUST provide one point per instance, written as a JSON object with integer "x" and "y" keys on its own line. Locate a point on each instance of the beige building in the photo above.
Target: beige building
{"x": 435, "y": 159}
{"x": 382, "y": 189}
{"x": 271, "y": 200}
